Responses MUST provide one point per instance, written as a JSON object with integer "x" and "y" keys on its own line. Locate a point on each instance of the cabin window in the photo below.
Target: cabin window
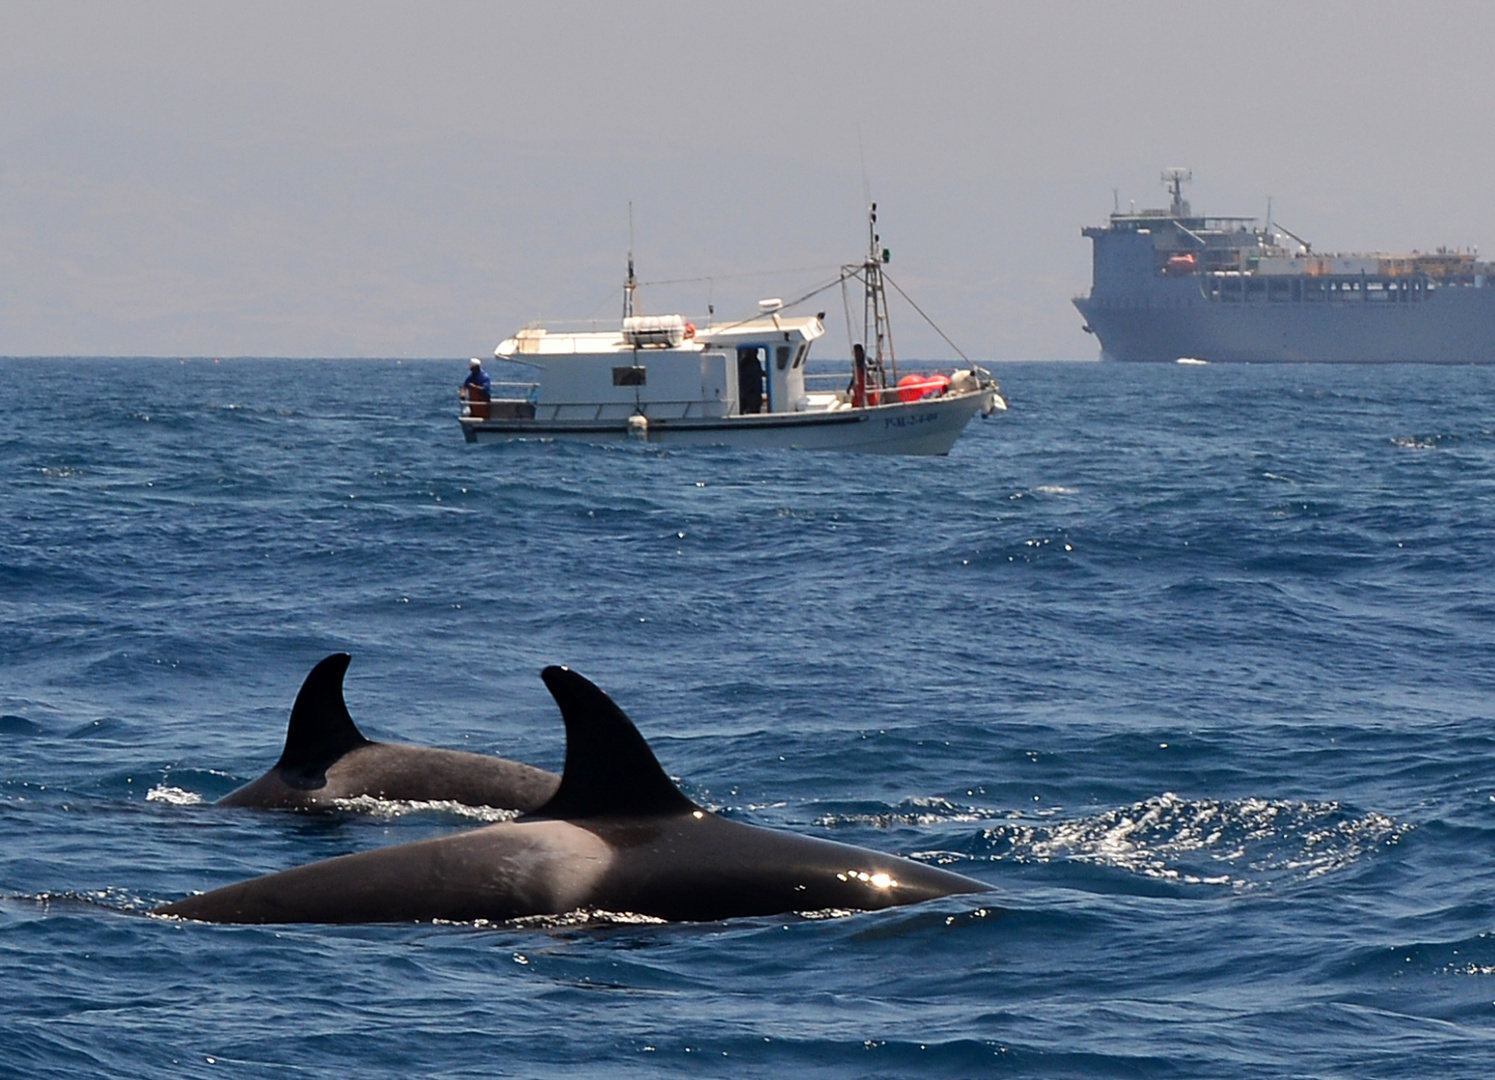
{"x": 637, "y": 375}
{"x": 799, "y": 355}
{"x": 781, "y": 357}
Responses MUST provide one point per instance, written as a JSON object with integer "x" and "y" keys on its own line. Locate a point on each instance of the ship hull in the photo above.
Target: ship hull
{"x": 1451, "y": 326}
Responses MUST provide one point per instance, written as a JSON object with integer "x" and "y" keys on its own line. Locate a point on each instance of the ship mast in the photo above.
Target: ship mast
{"x": 631, "y": 283}
{"x": 882, "y": 364}
{"x": 1173, "y": 180}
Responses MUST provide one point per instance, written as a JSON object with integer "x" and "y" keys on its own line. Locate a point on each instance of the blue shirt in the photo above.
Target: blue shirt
{"x": 479, "y": 379}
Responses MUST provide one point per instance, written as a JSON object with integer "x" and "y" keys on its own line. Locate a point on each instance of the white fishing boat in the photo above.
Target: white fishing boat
{"x": 661, "y": 379}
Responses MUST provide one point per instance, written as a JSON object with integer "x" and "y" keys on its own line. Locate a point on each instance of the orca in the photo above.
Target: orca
{"x": 327, "y": 759}
{"x": 617, "y": 836}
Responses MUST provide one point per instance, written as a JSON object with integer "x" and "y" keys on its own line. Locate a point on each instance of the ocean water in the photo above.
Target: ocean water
{"x": 1192, "y": 665}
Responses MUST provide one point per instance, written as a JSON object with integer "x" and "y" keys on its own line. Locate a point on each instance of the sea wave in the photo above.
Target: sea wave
{"x": 1241, "y": 843}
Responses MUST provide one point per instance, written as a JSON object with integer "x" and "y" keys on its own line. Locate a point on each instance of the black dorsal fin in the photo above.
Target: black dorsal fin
{"x": 610, "y": 769}
{"x": 320, "y": 731}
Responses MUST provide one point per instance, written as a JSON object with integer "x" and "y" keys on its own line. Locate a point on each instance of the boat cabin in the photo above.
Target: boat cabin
{"x": 663, "y": 368}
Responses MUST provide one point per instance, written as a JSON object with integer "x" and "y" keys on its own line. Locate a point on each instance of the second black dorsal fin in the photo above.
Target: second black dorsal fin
{"x": 320, "y": 731}
{"x": 610, "y": 769}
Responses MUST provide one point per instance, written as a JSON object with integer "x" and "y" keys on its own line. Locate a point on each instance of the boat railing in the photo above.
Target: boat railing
{"x": 505, "y": 398}
{"x": 527, "y": 390}
{"x": 823, "y": 380}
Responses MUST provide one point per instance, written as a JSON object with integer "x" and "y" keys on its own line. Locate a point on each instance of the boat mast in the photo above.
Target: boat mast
{"x": 875, "y": 325}
{"x": 631, "y": 283}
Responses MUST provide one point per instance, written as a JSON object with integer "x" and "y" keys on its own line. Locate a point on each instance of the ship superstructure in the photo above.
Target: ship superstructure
{"x": 1168, "y": 284}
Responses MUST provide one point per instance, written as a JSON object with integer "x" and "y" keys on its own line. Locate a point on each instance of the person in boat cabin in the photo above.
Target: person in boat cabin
{"x": 478, "y": 386}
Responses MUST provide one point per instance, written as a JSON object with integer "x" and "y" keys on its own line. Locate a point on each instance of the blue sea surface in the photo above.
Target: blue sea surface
{"x": 1192, "y": 665}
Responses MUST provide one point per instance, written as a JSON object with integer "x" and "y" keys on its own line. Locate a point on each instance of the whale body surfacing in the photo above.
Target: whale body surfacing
{"x": 326, "y": 759}
{"x": 617, "y": 835}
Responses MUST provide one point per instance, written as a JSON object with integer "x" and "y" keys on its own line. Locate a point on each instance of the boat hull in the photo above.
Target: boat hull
{"x": 930, "y": 426}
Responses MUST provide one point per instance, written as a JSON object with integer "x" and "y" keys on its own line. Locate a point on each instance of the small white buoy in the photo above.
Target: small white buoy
{"x": 638, "y": 427}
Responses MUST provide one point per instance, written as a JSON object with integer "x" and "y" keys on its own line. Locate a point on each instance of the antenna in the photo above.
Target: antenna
{"x": 1173, "y": 180}
{"x": 631, "y": 283}
{"x": 862, "y": 151}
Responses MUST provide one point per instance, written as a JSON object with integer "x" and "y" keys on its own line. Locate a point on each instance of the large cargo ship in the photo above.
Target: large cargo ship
{"x": 1169, "y": 285}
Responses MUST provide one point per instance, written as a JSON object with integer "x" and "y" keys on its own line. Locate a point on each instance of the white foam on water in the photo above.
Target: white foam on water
{"x": 393, "y": 808}
{"x": 1241, "y": 843}
{"x": 176, "y": 796}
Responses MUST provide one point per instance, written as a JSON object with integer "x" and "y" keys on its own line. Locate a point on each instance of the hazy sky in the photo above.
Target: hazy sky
{"x": 401, "y": 179}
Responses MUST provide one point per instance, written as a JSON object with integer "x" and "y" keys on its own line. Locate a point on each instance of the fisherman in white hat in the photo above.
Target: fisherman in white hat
{"x": 477, "y": 389}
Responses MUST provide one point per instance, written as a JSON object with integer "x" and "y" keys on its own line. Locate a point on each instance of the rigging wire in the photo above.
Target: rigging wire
{"x": 719, "y": 277}
{"x": 926, "y": 318}
{"x": 846, "y": 309}
{"x": 848, "y": 273}
{"x": 731, "y": 277}
{"x": 792, "y": 303}
{"x": 851, "y": 273}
